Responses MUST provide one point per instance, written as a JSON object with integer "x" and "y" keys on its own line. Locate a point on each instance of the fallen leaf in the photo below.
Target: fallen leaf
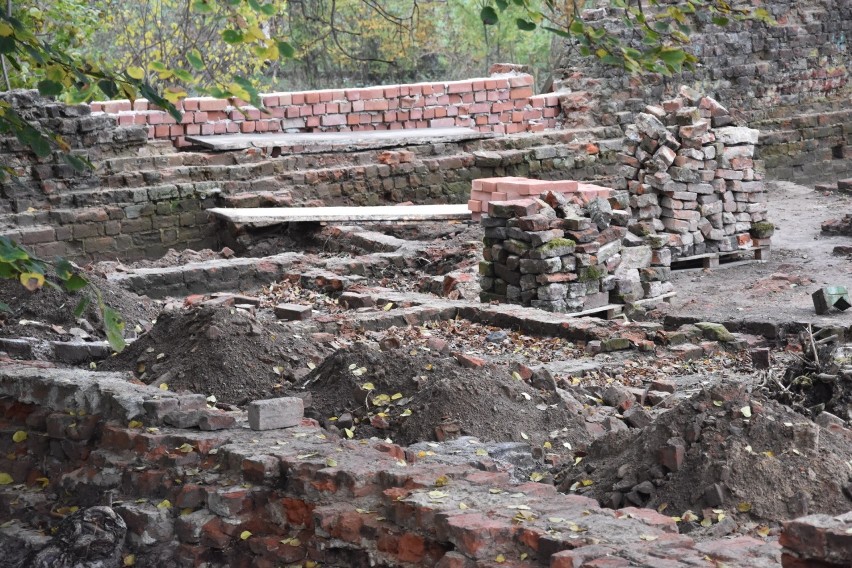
{"x": 647, "y": 537}
{"x": 536, "y": 476}
{"x": 406, "y": 412}
{"x": 368, "y": 386}
{"x": 717, "y": 403}
{"x": 436, "y": 495}
{"x": 349, "y": 433}
{"x": 134, "y": 424}
{"x": 763, "y": 531}
{"x": 164, "y": 387}
{"x": 164, "y": 504}
{"x": 245, "y": 535}
{"x": 463, "y": 506}
{"x": 481, "y": 452}
{"x": 706, "y": 522}
{"x": 524, "y": 436}
{"x": 292, "y": 541}
{"x": 19, "y": 436}
{"x": 442, "y": 481}
{"x": 387, "y": 307}
{"x": 185, "y": 448}
{"x": 130, "y": 560}
{"x": 331, "y": 462}
{"x": 500, "y": 559}
{"x": 746, "y": 411}
{"x": 5, "y": 478}
{"x": 744, "y": 507}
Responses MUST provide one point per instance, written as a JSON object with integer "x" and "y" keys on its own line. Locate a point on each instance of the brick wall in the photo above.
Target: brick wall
{"x": 501, "y": 103}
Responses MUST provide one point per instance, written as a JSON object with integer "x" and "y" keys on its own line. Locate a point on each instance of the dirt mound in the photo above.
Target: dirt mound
{"x": 721, "y": 450}
{"x": 47, "y": 307}
{"x": 416, "y": 395}
{"x": 222, "y": 351}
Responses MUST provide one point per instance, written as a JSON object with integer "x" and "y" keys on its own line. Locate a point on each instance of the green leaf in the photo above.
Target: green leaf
{"x": 109, "y": 88}
{"x": 135, "y": 72}
{"x": 672, "y": 57}
{"x": 489, "y": 16}
{"x": 49, "y": 88}
{"x": 720, "y": 20}
{"x": 202, "y": 6}
{"x": 194, "y": 58}
{"x": 11, "y": 251}
{"x": 5, "y": 308}
{"x": 7, "y": 45}
{"x": 81, "y": 307}
{"x": 557, "y": 31}
{"x": 75, "y": 282}
{"x": 502, "y": 4}
{"x": 79, "y": 163}
{"x": 185, "y": 76}
{"x": 286, "y": 50}
{"x": 64, "y": 269}
{"x": 525, "y": 25}
{"x": 114, "y": 328}
{"x": 232, "y": 36}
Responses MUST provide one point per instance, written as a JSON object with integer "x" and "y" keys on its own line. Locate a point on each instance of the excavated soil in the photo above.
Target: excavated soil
{"x": 48, "y": 313}
{"x": 219, "y": 351}
{"x": 749, "y": 459}
{"x": 413, "y": 396}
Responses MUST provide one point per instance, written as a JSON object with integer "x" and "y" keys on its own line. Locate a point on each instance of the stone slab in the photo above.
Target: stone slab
{"x": 268, "y": 215}
{"x": 313, "y": 142}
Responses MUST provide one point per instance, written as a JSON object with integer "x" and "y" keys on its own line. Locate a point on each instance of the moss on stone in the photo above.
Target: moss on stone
{"x": 762, "y": 230}
{"x": 557, "y": 242}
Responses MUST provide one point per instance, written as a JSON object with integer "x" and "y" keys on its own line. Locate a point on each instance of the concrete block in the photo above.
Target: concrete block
{"x": 292, "y": 312}
{"x": 273, "y": 413}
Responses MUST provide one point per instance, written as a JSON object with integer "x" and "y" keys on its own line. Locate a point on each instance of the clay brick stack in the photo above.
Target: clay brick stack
{"x": 692, "y": 177}
{"x": 557, "y": 252}
{"x": 486, "y": 190}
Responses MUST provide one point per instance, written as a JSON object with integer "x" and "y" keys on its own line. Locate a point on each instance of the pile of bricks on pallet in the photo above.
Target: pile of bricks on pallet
{"x": 692, "y": 176}
{"x": 560, "y": 251}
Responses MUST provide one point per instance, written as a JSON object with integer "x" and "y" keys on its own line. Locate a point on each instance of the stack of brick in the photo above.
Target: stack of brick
{"x": 486, "y": 190}
{"x": 557, "y": 252}
{"x": 692, "y": 176}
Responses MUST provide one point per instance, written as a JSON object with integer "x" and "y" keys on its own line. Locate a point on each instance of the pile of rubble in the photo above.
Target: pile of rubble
{"x": 692, "y": 177}
{"x": 838, "y": 226}
{"x": 562, "y": 254}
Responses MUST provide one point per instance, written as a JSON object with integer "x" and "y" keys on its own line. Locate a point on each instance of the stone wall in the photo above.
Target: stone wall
{"x": 790, "y": 80}
{"x": 501, "y": 103}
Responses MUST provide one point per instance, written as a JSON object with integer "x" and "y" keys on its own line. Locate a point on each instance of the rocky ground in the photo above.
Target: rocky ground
{"x": 720, "y": 431}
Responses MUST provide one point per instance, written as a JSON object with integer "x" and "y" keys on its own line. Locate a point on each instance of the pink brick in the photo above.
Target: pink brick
{"x": 480, "y": 96}
{"x": 284, "y": 100}
{"x": 478, "y": 85}
{"x": 441, "y": 122}
{"x": 206, "y": 104}
{"x": 352, "y": 94}
{"x": 474, "y": 205}
{"x": 190, "y": 104}
{"x": 389, "y": 117}
{"x": 312, "y": 97}
{"x": 297, "y": 98}
{"x": 357, "y": 106}
{"x": 390, "y": 92}
{"x": 373, "y": 93}
{"x": 200, "y": 117}
{"x": 333, "y": 120}
{"x": 352, "y": 119}
{"x": 521, "y": 93}
{"x": 140, "y": 104}
{"x": 270, "y": 100}
{"x": 318, "y": 109}
{"x": 161, "y": 131}
{"x": 373, "y": 105}
{"x": 459, "y": 87}
{"x": 499, "y": 196}
{"x": 521, "y": 81}
{"x": 193, "y": 129}
{"x": 306, "y": 110}
{"x": 396, "y": 126}
{"x": 332, "y": 108}
{"x": 326, "y": 96}
{"x": 207, "y": 129}
{"x": 247, "y": 127}
{"x": 532, "y": 114}
{"x": 312, "y": 121}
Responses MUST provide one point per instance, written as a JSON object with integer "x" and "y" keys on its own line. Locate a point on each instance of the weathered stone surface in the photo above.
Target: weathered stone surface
{"x": 274, "y": 413}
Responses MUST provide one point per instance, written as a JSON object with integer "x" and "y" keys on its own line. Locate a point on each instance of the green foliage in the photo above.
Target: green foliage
{"x": 660, "y": 30}
{"x": 34, "y": 273}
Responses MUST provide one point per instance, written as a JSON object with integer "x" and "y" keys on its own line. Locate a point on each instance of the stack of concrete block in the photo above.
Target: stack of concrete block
{"x": 486, "y": 190}
{"x": 692, "y": 176}
{"x": 559, "y": 252}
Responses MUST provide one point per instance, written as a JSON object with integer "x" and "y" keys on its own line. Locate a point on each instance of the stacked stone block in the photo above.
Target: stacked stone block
{"x": 692, "y": 177}
{"x": 560, "y": 252}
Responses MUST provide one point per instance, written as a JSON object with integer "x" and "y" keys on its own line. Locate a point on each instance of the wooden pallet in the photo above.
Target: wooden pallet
{"x": 608, "y": 311}
{"x": 713, "y": 259}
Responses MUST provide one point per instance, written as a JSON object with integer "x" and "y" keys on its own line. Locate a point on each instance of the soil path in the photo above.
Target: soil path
{"x": 779, "y": 290}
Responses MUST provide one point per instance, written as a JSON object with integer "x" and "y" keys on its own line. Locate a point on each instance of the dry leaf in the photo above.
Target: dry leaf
{"x": 746, "y": 411}
{"x": 536, "y": 476}
{"x": 245, "y": 535}
{"x": 744, "y": 507}
{"x": 19, "y": 436}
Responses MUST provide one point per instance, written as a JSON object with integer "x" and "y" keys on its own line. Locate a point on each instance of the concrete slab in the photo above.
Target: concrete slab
{"x": 311, "y": 142}
{"x": 267, "y": 215}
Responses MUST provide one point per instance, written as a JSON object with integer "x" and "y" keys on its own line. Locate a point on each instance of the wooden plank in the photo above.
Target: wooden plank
{"x": 267, "y": 215}
{"x": 310, "y": 142}
{"x": 610, "y": 311}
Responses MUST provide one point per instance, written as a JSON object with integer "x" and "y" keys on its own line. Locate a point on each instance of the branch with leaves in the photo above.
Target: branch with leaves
{"x": 34, "y": 273}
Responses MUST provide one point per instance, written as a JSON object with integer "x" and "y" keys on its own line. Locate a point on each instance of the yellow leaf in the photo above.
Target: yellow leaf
{"x": 381, "y": 399}
{"x": 349, "y": 433}
{"x": 524, "y": 555}
{"x": 647, "y": 537}
{"x": 164, "y": 387}
{"x": 185, "y": 448}
{"x": 396, "y": 396}
{"x": 524, "y": 436}
{"x": 331, "y": 462}
{"x": 136, "y": 72}
{"x": 547, "y": 445}
{"x": 536, "y": 476}
{"x": 387, "y": 307}
{"x": 706, "y": 522}
{"x": 481, "y": 452}
{"x": 292, "y": 541}
{"x": 495, "y": 491}
{"x": 44, "y": 481}
{"x": 435, "y": 495}
{"x": 516, "y": 376}
{"x": 717, "y": 403}
{"x": 744, "y": 507}
{"x": 769, "y": 454}
{"x": 245, "y": 534}
{"x": 164, "y": 504}
{"x": 763, "y": 531}
{"x": 5, "y": 478}
{"x": 130, "y": 560}
{"x": 500, "y": 559}
{"x": 6, "y": 30}
{"x": 32, "y": 281}
{"x": 428, "y": 367}
{"x": 406, "y": 412}
{"x": 463, "y": 506}
{"x": 586, "y": 482}
{"x": 746, "y": 410}
{"x": 442, "y": 481}
{"x": 19, "y": 436}
{"x": 662, "y": 507}
{"x": 368, "y": 386}
{"x": 134, "y": 424}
